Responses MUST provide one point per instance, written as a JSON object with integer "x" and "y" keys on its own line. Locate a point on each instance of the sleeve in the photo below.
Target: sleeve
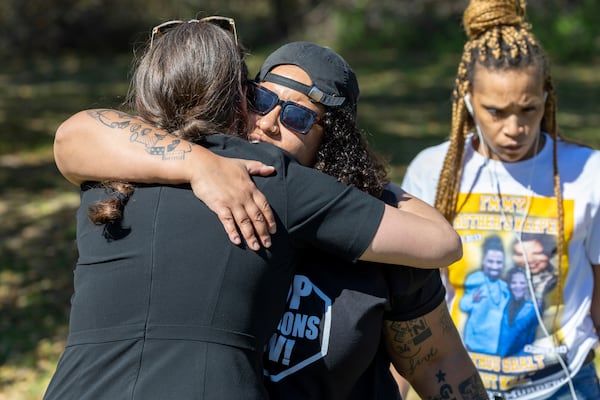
{"x": 592, "y": 242}
{"x": 414, "y": 293}
{"x": 422, "y": 175}
{"x": 410, "y": 183}
{"x": 324, "y": 213}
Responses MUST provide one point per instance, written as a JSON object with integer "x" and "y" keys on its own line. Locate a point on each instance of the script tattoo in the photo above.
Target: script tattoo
{"x": 408, "y": 342}
{"x": 155, "y": 143}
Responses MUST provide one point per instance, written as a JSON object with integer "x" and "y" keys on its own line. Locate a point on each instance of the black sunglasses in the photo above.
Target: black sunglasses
{"x": 293, "y": 116}
{"x": 225, "y": 23}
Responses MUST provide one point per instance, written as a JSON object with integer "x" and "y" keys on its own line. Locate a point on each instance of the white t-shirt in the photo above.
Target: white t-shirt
{"x": 511, "y": 200}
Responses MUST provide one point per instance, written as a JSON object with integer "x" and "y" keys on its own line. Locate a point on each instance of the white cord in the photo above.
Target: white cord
{"x": 496, "y": 185}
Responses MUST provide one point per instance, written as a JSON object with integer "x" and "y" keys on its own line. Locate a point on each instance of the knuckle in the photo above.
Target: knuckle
{"x": 259, "y": 217}
{"x": 245, "y": 221}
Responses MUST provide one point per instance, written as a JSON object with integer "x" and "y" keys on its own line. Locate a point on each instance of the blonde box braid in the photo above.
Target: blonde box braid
{"x": 499, "y": 38}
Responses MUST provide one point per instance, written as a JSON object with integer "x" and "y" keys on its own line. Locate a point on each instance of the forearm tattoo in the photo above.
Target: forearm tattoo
{"x": 469, "y": 389}
{"x": 415, "y": 345}
{"x": 155, "y": 143}
{"x": 446, "y": 324}
{"x": 408, "y": 341}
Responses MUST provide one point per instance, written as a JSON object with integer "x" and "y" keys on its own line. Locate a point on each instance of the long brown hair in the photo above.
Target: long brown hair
{"x": 190, "y": 82}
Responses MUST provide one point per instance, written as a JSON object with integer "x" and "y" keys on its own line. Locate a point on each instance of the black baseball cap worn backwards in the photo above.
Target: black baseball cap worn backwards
{"x": 334, "y": 82}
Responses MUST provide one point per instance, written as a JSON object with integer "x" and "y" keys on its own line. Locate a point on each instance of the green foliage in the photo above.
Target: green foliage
{"x": 408, "y": 33}
{"x": 33, "y": 27}
{"x": 568, "y": 30}
{"x": 38, "y": 93}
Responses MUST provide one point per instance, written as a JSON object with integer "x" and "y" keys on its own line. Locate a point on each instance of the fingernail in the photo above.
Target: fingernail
{"x": 273, "y": 229}
{"x": 255, "y": 246}
{"x": 267, "y": 242}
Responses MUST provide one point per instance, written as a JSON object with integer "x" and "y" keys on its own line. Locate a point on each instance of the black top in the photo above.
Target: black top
{"x": 327, "y": 345}
{"x": 165, "y": 307}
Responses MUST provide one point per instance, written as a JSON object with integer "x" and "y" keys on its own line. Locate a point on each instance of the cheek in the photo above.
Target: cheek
{"x": 317, "y": 139}
{"x": 534, "y": 121}
{"x": 292, "y": 143}
{"x": 310, "y": 147}
{"x": 316, "y": 136}
{"x": 489, "y": 125}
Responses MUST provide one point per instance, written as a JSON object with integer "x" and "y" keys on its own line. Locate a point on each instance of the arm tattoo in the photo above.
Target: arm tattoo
{"x": 446, "y": 323}
{"x": 155, "y": 143}
{"x": 408, "y": 341}
{"x": 469, "y": 389}
{"x": 472, "y": 388}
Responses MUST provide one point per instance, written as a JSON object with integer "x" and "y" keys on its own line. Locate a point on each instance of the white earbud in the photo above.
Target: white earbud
{"x": 468, "y": 104}
{"x": 545, "y": 96}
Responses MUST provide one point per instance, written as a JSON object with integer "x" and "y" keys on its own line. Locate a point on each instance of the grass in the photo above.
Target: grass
{"x": 405, "y": 107}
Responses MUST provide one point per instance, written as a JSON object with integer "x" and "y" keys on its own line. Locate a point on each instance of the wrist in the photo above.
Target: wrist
{"x": 200, "y": 161}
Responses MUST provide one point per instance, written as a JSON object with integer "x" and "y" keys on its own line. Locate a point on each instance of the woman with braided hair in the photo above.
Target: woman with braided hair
{"x": 507, "y": 170}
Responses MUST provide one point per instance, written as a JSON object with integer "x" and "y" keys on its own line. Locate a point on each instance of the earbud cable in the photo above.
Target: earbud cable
{"x": 496, "y": 185}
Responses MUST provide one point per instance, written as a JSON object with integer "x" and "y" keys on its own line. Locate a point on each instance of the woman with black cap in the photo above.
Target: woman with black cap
{"x": 327, "y": 344}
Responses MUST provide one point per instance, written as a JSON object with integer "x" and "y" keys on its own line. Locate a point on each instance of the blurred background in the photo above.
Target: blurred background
{"x": 62, "y": 56}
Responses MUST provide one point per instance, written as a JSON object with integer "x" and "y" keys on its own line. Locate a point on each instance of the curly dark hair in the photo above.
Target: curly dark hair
{"x": 346, "y": 155}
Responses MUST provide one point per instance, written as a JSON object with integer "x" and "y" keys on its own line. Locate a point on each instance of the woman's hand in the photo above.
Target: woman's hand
{"x": 227, "y": 189}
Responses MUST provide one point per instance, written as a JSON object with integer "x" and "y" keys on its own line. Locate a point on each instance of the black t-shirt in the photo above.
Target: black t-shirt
{"x": 327, "y": 344}
{"x": 165, "y": 307}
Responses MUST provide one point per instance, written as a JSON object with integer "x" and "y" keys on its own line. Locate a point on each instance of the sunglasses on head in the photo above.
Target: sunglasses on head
{"x": 225, "y": 23}
{"x": 293, "y": 116}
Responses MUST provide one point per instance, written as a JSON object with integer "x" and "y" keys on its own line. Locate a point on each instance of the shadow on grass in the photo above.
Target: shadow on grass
{"x": 37, "y": 209}
{"x": 37, "y": 253}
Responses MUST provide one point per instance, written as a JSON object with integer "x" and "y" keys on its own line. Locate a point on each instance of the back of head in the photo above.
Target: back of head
{"x": 344, "y": 152}
{"x": 189, "y": 81}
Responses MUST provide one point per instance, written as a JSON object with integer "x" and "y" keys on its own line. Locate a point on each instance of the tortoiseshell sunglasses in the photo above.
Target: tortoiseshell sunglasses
{"x": 223, "y": 22}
